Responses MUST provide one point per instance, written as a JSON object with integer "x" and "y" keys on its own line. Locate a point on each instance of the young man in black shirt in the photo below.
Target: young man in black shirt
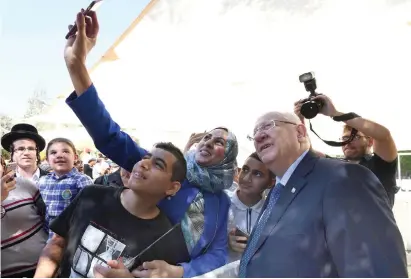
{"x": 383, "y": 162}
{"x": 108, "y": 223}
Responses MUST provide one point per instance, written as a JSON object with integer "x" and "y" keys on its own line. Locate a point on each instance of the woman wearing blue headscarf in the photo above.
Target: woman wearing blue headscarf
{"x": 210, "y": 168}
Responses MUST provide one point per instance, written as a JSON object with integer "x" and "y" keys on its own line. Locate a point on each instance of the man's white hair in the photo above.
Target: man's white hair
{"x": 284, "y": 116}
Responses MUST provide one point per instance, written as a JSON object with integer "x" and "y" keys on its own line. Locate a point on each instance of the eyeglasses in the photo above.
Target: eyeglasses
{"x": 23, "y": 149}
{"x": 357, "y": 137}
{"x": 266, "y": 127}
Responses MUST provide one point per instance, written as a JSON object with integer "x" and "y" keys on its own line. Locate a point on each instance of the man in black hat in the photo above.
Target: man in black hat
{"x": 22, "y": 218}
{"x": 25, "y": 144}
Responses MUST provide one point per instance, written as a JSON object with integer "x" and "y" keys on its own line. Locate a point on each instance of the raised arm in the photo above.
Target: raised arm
{"x": 85, "y": 103}
{"x": 106, "y": 134}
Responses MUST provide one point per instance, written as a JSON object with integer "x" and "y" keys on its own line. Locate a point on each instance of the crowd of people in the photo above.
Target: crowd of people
{"x": 288, "y": 211}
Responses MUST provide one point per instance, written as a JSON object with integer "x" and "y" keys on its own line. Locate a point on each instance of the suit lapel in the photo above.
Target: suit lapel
{"x": 294, "y": 185}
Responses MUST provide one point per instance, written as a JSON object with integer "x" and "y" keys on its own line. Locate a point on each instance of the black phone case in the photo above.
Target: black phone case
{"x": 239, "y": 232}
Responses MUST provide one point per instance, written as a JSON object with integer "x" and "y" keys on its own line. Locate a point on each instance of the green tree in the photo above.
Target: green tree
{"x": 405, "y": 164}
{"x": 6, "y": 123}
{"x": 36, "y": 104}
{"x": 5, "y": 154}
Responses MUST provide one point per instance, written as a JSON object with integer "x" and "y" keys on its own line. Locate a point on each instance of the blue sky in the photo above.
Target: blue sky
{"x": 32, "y": 42}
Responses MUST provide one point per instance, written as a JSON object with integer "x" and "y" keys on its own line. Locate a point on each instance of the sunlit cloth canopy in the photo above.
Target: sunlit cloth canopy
{"x": 78, "y": 136}
{"x": 57, "y": 113}
{"x": 191, "y": 65}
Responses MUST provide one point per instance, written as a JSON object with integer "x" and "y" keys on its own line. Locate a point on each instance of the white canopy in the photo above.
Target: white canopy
{"x": 193, "y": 65}
{"x": 78, "y": 136}
{"x": 58, "y": 113}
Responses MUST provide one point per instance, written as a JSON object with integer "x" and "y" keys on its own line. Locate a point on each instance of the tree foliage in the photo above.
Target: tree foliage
{"x": 5, "y": 154}
{"x": 405, "y": 164}
{"x": 6, "y": 123}
{"x": 37, "y": 103}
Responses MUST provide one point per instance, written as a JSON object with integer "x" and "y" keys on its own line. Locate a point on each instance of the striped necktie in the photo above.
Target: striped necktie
{"x": 249, "y": 251}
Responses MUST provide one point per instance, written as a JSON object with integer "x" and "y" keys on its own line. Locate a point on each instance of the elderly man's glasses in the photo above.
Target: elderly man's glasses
{"x": 23, "y": 149}
{"x": 266, "y": 127}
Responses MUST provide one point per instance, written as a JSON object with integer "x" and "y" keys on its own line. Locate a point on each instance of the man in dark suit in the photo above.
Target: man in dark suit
{"x": 324, "y": 218}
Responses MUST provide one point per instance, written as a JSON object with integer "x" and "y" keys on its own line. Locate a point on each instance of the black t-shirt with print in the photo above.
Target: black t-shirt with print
{"x": 97, "y": 228}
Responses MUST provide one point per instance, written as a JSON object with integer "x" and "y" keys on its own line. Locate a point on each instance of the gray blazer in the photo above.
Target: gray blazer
{"x": 337, "y": 223}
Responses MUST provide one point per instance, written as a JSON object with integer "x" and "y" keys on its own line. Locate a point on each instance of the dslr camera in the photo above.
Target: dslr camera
{"x": 310, "y": 108}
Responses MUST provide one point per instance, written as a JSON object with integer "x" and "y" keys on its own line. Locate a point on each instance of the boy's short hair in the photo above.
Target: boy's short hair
{"x": 255, "y": 156}
{"x": 180, "y": 166}
{"x": 60, "y": 140}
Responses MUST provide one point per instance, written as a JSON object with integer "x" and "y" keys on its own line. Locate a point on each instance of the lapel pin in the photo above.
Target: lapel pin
{"x": 293, "y": 190}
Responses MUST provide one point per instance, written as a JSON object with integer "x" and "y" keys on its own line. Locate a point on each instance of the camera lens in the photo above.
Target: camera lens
{"x": 310, "y": 109}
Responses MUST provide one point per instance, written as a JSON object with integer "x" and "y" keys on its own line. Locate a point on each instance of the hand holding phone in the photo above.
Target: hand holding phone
{"x": 237, "y": 240}
{"x": 12, "y": 166}
{"x": 73, "y": 30}
{"x": 239, "y": 232}
{"x": 79, "y": 44}
{"x": 8, "y": 183}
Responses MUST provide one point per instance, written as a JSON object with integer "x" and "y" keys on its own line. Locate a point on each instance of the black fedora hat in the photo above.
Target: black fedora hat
{"x": 23, "y": 131}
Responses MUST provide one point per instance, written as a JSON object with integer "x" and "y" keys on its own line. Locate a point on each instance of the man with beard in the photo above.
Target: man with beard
{"x": 382, "y": 162}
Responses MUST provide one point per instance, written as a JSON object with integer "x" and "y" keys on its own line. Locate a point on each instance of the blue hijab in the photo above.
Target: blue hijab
{"x": 218, "y": 177}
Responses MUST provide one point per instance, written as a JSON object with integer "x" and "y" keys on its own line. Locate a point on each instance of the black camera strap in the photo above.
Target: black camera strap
{"x": 344, "y": 117}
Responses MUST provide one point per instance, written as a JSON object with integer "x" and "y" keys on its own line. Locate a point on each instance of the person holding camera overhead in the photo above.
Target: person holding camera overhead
{"x": 384, "y": 159}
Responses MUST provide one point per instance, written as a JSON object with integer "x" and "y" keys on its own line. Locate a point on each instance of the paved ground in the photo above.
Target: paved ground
{"x": 402, "y": 212}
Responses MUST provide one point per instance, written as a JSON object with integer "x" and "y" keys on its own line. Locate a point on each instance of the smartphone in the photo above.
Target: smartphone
{"x": 12, "y": 166}
{"x": 239, "y": 232}
{"x": 73, "y": 29}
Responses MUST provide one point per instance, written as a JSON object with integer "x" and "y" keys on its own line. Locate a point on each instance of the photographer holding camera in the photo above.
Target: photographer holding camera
{"x": 384, "y": 159}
